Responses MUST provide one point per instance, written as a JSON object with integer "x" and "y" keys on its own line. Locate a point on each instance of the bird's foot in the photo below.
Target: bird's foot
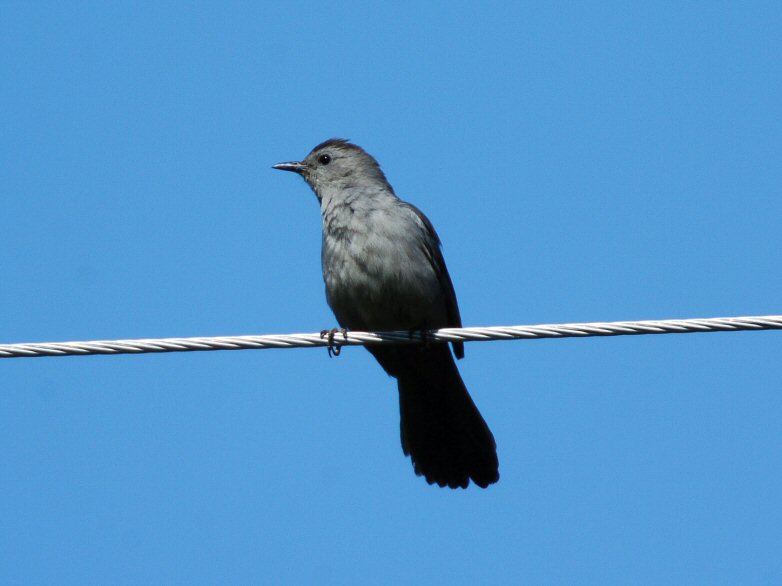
{"x": 334, "y": 348}
{"x": 426, "y": 339}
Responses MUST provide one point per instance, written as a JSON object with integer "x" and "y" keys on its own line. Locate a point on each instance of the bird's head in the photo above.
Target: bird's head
{"x": 337, "y": 165}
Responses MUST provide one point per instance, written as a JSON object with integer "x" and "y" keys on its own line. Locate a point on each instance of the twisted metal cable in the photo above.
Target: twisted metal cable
{"x": 617, "y": 328}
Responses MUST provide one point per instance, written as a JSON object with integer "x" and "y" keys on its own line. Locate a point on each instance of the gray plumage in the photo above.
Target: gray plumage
{"x": 384, "y": 270}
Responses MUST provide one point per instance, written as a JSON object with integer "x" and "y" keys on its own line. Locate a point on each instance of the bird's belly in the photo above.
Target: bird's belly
{"x": 388, "y": 292}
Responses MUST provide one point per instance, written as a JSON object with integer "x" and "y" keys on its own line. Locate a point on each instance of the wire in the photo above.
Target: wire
{"x": 580, "y": 330}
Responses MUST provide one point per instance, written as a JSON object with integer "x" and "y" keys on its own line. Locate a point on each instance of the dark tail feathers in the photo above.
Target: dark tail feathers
{"x": 442, "y": 430}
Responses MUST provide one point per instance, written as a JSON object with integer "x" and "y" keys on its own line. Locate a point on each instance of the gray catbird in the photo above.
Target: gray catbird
{"x": 384, "y": 270}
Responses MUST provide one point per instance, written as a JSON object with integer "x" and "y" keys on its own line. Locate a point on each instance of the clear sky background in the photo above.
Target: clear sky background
{"x": 604, "y": 161}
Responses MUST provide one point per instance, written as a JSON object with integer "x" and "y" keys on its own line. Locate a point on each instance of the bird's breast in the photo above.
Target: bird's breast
{"x": 377, "y": 274}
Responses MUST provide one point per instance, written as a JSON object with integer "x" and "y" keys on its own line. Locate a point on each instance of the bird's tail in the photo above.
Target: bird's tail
{"x": 442, "y": 430}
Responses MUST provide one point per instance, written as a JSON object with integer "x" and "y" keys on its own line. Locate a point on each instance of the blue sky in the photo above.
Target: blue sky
{"x": 596, "y": 162}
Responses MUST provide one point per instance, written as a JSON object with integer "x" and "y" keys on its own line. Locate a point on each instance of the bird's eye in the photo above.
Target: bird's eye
{"x": 324, "y": 159}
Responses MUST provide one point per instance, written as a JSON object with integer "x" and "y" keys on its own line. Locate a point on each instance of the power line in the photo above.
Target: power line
{"x": 483, "y": 334}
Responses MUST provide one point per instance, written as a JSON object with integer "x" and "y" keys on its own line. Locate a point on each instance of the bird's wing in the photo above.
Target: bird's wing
{"x": 435, "y": 255}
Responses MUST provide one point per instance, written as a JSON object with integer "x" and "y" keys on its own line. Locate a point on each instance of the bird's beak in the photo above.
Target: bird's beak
{"x": 296, "y": 167}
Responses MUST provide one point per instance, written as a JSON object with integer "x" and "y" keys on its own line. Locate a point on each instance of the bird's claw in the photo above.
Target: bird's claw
{"x": 334, "y": 349}
{"x": 426, "y": 338}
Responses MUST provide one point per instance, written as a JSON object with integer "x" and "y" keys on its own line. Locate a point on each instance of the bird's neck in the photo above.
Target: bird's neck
{"x": 341, "y": 206}
{"x": 354, "y": 201}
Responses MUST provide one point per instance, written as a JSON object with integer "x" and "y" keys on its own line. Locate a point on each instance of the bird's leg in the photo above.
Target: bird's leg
{"x": 333, "y": 349}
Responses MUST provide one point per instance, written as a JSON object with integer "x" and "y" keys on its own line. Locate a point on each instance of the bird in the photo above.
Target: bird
{"x": 384, "y": 269}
